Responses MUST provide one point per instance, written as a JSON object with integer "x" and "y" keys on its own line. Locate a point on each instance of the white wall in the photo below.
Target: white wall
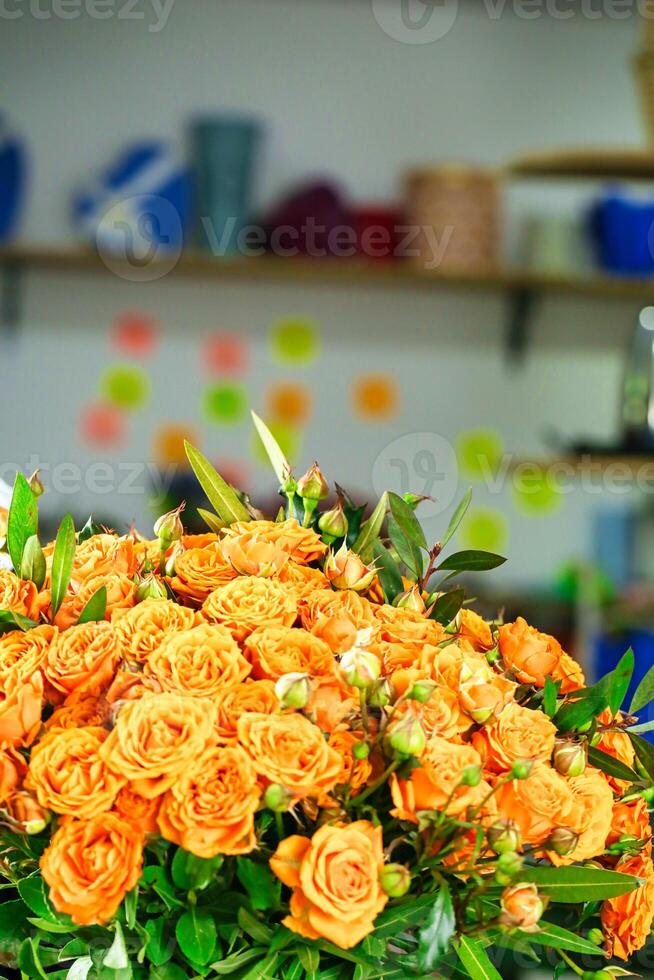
{"x": 340, "y": 97}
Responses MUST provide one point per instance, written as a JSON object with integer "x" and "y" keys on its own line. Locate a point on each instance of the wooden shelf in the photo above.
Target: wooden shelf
{"x": 339, "y": 271}
{"x": 591, "y": 463}
{"x": 592, "y": 163}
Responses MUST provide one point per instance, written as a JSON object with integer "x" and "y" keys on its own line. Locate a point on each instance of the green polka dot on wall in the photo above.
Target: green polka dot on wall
{"x": 536, "y": 490}
{"x": 295, "y": 340}
{"x": 125, "y": 386}
{"x": 484, "y": 529}
{"x": 479, "y": 453}
{"x": 288, "y": 437}
{"x": 225, "y": 403}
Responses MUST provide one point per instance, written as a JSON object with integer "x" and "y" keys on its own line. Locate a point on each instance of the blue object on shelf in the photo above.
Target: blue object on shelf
{"x": 622, "y": 230}
{"x": 613, "y": 543}
{"x": 13, "y": 180}
{"x": 143, "y": 194}
{"x": 609, "y": 649}
{"x": 223, "y": 154}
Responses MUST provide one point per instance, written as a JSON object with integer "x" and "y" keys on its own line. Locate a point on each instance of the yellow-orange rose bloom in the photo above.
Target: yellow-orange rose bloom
{"x": 18, "y": 596}
{"x": 90, "y": 866}
{"x": 249, "y": 602}
{"x": 301, "y": 543}
{"x": 121, "y": 592}
{"x": 335, "y": 881}
{"x": 140, "y": 812}
{"x": 434, "y": 785}
{"x": 21, "y": 702}
{"x": 199, "y": 572}
{"x": 398, "y": 625}
{"x": 198, "y": 662}
{"x": 91, "y": 711}
{"x": 238, "y": 699}
{"x": 630, "y": 819}
{"x": 156, "y": 738}
{"x": 590, "y": 817}
{"x": 537, "y": 804}
{"x": 289, "y": 750}
{"x": 210, "y": 809}
{"x": 532, "y": 656}
{"x": 103, "y": 554}
{"x": 24, "y": 652}
{"x": 82, "y": 659}
{"x": 142, "y": 628}
{"x": 475, "y": 629}
{"x": 302, "y": 579}
{"x": 248, "y": 554}
{"x": 518, "y": 733}
{"x": 68, "y": 776}
{"x": 12, "y": 772}
{"x": 277, "y": 650}
{"x": 627, "y": 919}
{"x": 325, "y": 602}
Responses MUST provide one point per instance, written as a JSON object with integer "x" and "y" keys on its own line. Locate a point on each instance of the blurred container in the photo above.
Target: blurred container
{"x": 223, "y": 156}
{"x": 609, "y": 649}
{"x": 12, "y": 180}
{"x": 621, "y": 226}
{"x": 378, "y": 230}
{"x": 556, "y": 244}
{"x": 456, "y": 210}
{"x": 613, "y": 543}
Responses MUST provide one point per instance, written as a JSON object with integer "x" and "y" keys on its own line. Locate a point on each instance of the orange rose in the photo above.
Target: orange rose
{"x": 82, "y": 713}
{"x": 23, "y": 653}
{"x": 355, "y": 773}
{"x": 156, "y": 738}
{"x": 440, "y": 715}
{"x": 522, "y": 907}
{"x": 434, "y": 786}
{"x": 518, "y": 733}
{"x": 484, "y": 695}
{"x": 142, "y": 628}
{"x": 330, "y": 703}
{"x": 590, "y": 817}
{"x": 400, "y": 625}
{"x": 630, "y": 819}
{"x": 335, "y": 880}
{"x": 532, "y": 656}
{"x": 136, "y": 810}
{"x": 324, "y": 602}
{"x": 68, "y": 776}
{"x": 12, "y": 772}
{"x": 210, "y": 809}
{"x": 237, "y": 699}
{"x": 198, "y": 572}
{"x": 103, "y": 554}
{"x": 121, "y": 592}
{"x": 26, "y": 813}
{"x": 198, "y": 662}
{"x": 302, "y": 579}
{"x": 617, "y": 744}
{"x": 21, "y": 701}
{"x": 627, "y": 919}
{"x": 248, "y": 602}
{"x": 90, "y": 866}
{"x": 129, "y": 685}
{"x": 475, "y": 629}
{"x": 277, "y": 650}
{"x": 537, "y": 804}
{"x": 301, "y": 543}
{"x": 18, "y": 596}
{"x": 248, "y": 554}
{"x": 82, "y": 660}
{"x": 289, "y": 750}
{"x": 337, "y": 630}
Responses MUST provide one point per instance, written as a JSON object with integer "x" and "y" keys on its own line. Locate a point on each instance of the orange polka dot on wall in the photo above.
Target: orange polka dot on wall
{"x": 376, "y": 396}
{"x": 224, "y": 353}
{"x": 289, "y": 402}
{"x": 102, "y": 425}
{"x": 135, "y": 334}
{"x": 169, "y": 444}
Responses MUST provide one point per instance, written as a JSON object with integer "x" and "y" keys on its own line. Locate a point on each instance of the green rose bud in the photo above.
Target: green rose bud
{"x": 471, "y": 776}
{"x": 569, "y": 758}
{"x": 333, "y": 523}
{"x": 361, "y": 750}
{"x": 381, "y": 693}
{"x": 422, "y": 691}
{"x": 504, "y": 836}
{"x": 151, "y": 588}
{"x": 521, "y": 768}
{"x": 312, "y": 486}
{"x": 510, "y": 863}
{"x": 360, "y": 668}
{"x": 395, "y": 880}
{"x": 293, "y": 690}
{"x": 562, "y": 841}
{"x": 596, "y": 936}
{"x": 277, "y": 798}
{"x": 407, "y": 736}
{"x": 169, "y": 528}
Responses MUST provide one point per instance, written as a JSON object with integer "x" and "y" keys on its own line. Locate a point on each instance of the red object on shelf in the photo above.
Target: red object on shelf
{"x": 378, "y": 230}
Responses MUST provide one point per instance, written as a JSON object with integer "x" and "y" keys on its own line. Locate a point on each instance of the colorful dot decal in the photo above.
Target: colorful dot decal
{"x": 135, "y": 334}
{"x": 225, "y": 404}
{"x": 224, "y": 354}
{"x": 479, "y": 453}
{"x": 536, "y": 490}
{"x": 288, "y": 437}
{"x": 295, "y": 341}
{"x": 125, "y": 386}
{"x": 375, "y": 396}
{"x": 169, "y": 444}
{"x": 484, "y": 529}
{"x": 102, "y": 425}
{"x": 289, "y": 402}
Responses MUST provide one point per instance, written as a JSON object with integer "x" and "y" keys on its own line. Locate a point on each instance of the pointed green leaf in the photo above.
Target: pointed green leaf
{"x": 407, "y": 521}
{"x": 233, "y": 962}
{"x": 407, "y": 549}
{"x": 95, "y": 609}
{"x": 213, "y": 523}
{"x": 371, "y": 529}
{"x": 619, "y": 680}
{"x": 613, "y": 767}
{"x": 33, "y": 566}
{"x": 572, "y": 885}
{"x": 582, "y": 706}
{"x": 260, "y": 883}
{"x": 116, "y": 956}
{"x": 89, "y": 530}
{"x": 277, "y": 458}
{"x": 192, "y": 873}
{"x": 555, "y": 936}
{"x": 646, "y": 726}
{"x": 158, "y": 947}
{"x": 436, "y": 934}
{"x": 456, "y": 518}
{"x": 644, "y": 753}
{"x": 62, "y": 562}
{"x": 644, "y": 693}
{"x": 550, "y": 694}
{"x": 471, "y": 561}
{"x": 447, "y": 606}
{"x": 196, "y": 934}
{"x": 22, "y": 520}
{"x": 475, "y": 959}
{"x": 221, "y": 496}
{"x": 388, "y": 571}
{"x": 10, "y": 620}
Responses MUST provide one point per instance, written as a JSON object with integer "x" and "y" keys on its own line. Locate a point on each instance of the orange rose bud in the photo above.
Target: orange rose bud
{"x": 395, "y": 880}
{"x": 312, "y": 485}
{"x": 169, "y": 528}
{"x": 410, "y": 599}
{"x": 293, "y": 690}
{"x": 26, "y": 811}
{"x": 333, "y": 523}
{"x": 360, "y": 668}
{"x": 151, "y": 588}
{"x": 345, "y": 570}
{"x": 569, "y": 758}
{"x": 522, "y": 907}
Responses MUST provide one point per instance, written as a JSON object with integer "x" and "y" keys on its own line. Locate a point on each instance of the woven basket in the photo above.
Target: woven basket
{"x": 643, "y": 66}
{"x": 461, "y": 207}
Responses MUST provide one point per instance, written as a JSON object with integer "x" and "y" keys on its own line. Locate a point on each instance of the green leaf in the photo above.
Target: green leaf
{"x": 644, "y": 753}
{"x": 95, "y": 609}
{"x": 644, "y": 693}
{"x": 407, "y": 549}
{"x": 116, "y": 956}
{"x": 471, "y": 561}
{"x": 260, "y": 883}
{"x": 552, "y": 935}
{"x": 647, "y": 726}
{"x": 80, "y": 969}
{"x": 32, "y": 892}
{"x": 571, "y": 885}
{"x": 447, "y": 606}
{"x": 158, "y": 947}
{"x": 456, "y": 518}
{"x": 32, "y": 566}
{"x": 277, "y": 458}
{"x": 249, "y": 923}
{"x": 193, "y": 873}
{"x": 295, "y": 971}
{"x": 619, "y": 680}
{"x": 309, "y": 957}
{"x": 62, "y": 562}
{"x": 582, "y": 707}
{"x": 234, "y": 962}
{"x": 370, "y": 530}
{"x": 397, "y": 918}
{"x": 475, "y": 959}
{"x": 29, "y": 960}
{"x": 22, "y": 520}
{"x": 407, "y": 521}
{"x": 436, "y": 934}
{"x": 388, "y": 571}
{"x": 265, "y": 970}
{"x": 12, "y": 916}
{"x": 73, "y": 948}
{"x": 613, "y": 767}
{"x": 550, "y": 694}
{"x": 10, "y": 620}
{"x": 89, "y": 530}
{"x": 47, "y": 926}
{"x": 168, "y": 971}
{"x": 196, "y": 934}
{"x": 213, "y": 523}
{"x": 221, "y": 496}
{"x": 156, "y": 877}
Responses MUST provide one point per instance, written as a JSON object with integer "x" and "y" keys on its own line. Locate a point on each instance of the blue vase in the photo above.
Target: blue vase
{"x": 13, "y": 180}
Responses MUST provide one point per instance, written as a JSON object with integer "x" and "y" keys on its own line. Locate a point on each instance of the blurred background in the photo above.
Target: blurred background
{"x": 416, "y": 237}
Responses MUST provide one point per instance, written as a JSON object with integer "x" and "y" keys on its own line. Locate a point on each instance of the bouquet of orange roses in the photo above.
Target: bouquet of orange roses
{"x": 282, "y": 749}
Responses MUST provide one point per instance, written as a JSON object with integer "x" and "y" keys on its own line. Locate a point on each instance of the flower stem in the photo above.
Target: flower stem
{"x": 378, "y": 782}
